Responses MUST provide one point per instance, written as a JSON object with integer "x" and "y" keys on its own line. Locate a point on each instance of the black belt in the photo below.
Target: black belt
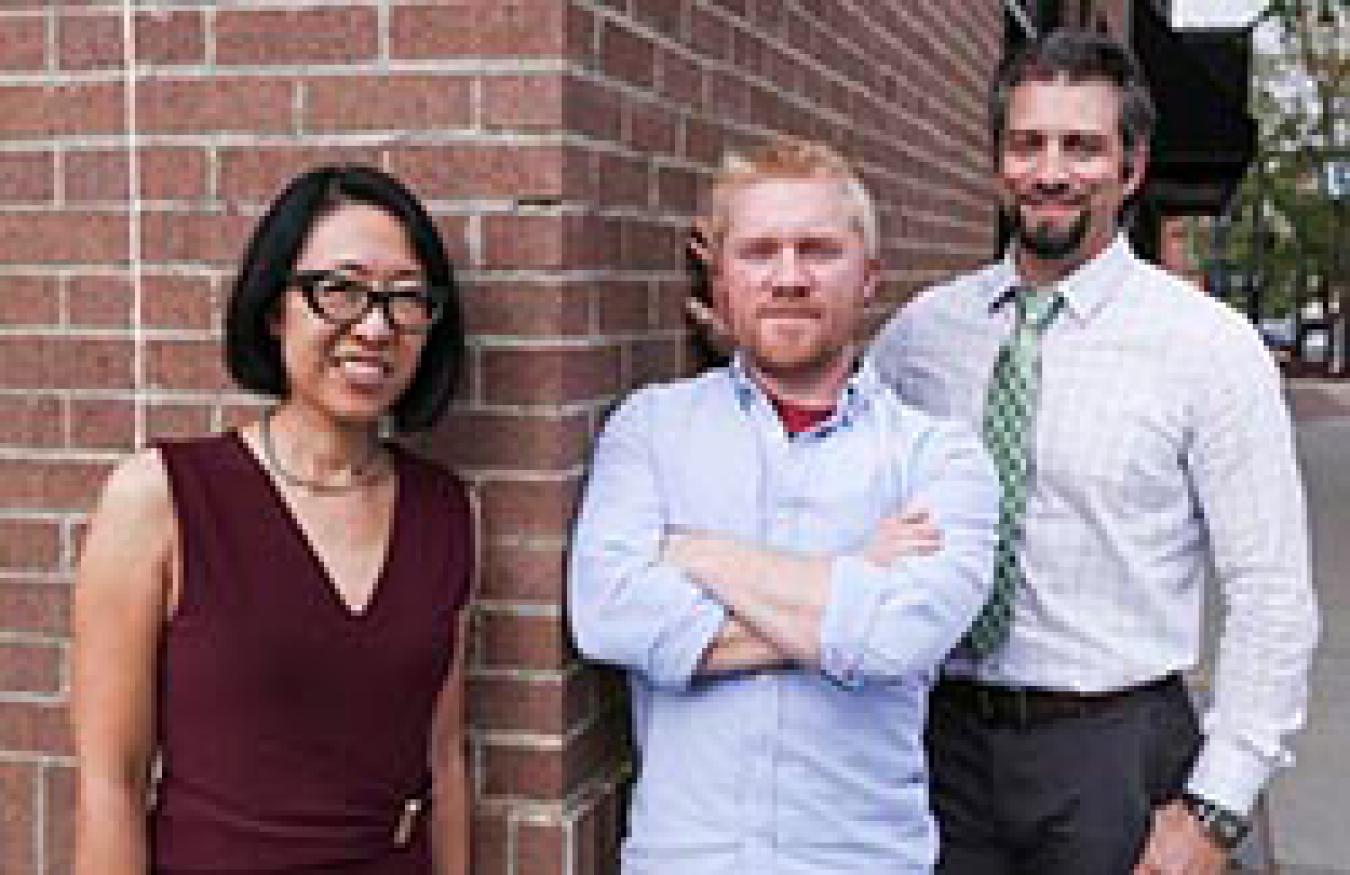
{"x": 1027, "y": 706}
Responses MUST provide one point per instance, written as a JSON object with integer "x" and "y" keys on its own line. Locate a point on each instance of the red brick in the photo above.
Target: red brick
{"x": 504, "y": 440}
{"x": 479, "y": 28}
{"x": 35, "y": 608}
{"x": 491, "y": 842}
{"x": 530, "y": 508}
{"x": 47, "y": 238}
{"x": 523, "y": 103}
{"x": 704, "y": 141}
{"x": 201, "y": 106}
{"x": 102, "y": 425}
{"x": 736, "y": 8}
{"x": 399, "y": 103}
{"x": 32, "y": 544}
{"x": 186, "y": 365}
{"x": 89, "y": 41}
{"x": 194, "y": 237}
{"x": 59, "y": 833}
{"x": 709, "y": 34}
{"x": 677, "y": 189}
{"x": 513, "y": 705}
{"x": 528, "y": 642}
{"x": 29, "y": 300}
{"x": 521, "y": 242}
{"x": 730, "y": 98}
{"x": 541, "y": 849}
{"x": 649, "y": 246}
{"x": 179, "y": 302}
{"x": 747, "y": 52}
{"x": 580, "y": 29}
{"x": 624, "y": 307}
{"x": 96, "y": 175}
{"x": 22, "y": 48}
{"x": 627, "y": 56}
{"x": 177, "y": 421}
{"x": 258, "y": 37}
{"x": 165, "y": 37}
{"x": 623, "y": 182}
{"x": 593, "y": 241}
{"x": 18, "y": 806}
{"x": 174, "y": 174}
{"x": 521, "y": 309}
{"x": 652, "y": 130}
{"x": 680, "y": 79}
{"x": 257, "y": 174}
{"x": 32, "y": 421}
{"x": 30, "y": 727}
{"x": 658, "y": 359}
{"x": 30, "y": 668}
{"x": 664, "y": 16}
{"x": 28, "y": 111}
{"x": 104, "y": 301}
{"x": 523, "y": 375}
{"x": 51, "y": 362}
{"x": 592, "y": 109}
{"x": 27, "y": 177}
{"x": 54, "y": 486}
{"x": 460, "y": 171}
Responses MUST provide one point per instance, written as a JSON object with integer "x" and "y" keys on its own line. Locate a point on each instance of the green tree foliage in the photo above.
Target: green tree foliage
{"x": 1286, "y": 227}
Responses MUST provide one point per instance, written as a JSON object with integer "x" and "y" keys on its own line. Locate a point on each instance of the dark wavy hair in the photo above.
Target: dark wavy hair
{"x": 1079, "y": 56}
{"x": 252, "y": 350}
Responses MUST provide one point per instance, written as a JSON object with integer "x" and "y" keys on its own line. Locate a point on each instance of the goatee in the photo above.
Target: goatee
{"x": 1046, "y": 242}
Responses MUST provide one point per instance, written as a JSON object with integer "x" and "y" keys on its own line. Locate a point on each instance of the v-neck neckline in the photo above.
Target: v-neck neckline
{"x": 333, "y": 592}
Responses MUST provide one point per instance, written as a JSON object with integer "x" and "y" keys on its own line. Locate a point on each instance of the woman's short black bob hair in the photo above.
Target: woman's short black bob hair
{"x": 252, "y": 349}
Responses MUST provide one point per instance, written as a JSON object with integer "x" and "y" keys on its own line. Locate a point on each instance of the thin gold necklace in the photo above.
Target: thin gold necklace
{"x": 359, "y": 473}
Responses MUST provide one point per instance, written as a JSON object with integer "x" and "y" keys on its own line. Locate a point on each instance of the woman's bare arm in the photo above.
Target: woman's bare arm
{"x": 122, "y": 597}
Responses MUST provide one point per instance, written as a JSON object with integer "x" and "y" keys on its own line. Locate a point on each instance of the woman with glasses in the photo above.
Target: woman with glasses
{"x": 271, "y": 620}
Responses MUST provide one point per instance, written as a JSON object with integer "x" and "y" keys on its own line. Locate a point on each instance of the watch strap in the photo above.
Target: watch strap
{"x": 1226, "y": 828}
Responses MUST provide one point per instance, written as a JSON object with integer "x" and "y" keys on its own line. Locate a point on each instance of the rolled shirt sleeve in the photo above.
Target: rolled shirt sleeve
{"x": 626, "y": 607}
{"x": 883, "y": 623}
{"x": 1247, "y": 485}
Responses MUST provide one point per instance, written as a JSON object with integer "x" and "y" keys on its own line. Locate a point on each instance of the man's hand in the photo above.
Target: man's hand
{"x": 1178, "y": 845}
{"x": 908, "y": 533}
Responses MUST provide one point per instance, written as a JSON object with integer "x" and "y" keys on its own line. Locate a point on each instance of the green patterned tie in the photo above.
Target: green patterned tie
{"x": 1009, "y": 412}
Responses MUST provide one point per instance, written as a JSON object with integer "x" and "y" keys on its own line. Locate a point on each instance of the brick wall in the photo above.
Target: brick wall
{"x": 560, "y": 143}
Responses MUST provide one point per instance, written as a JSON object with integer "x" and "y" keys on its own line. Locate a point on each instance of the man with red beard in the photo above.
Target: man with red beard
{"x": 1142, "y": 440}
{"x": 743, "y": 553}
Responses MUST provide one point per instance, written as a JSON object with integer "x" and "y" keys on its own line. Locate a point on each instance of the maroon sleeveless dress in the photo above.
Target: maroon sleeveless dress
{"x": 292, "y": 730}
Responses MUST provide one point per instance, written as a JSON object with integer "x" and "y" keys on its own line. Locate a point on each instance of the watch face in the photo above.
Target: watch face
{"x": 1226, "y": 828}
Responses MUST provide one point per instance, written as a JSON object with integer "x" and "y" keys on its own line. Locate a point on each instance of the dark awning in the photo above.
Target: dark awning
{"x": 1205, "y": 138}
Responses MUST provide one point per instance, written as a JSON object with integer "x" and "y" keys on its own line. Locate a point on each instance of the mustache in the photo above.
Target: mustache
{"x": 781, "y": 311}
{"x": 1053, "y": 199}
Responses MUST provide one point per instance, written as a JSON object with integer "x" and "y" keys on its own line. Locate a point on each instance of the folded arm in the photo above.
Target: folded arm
{"x": 893, "y": 607}
{"x": 627, "y": 607}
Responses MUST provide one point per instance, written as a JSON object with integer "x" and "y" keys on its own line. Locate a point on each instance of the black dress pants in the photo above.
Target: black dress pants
{"x": 1063, "y": 795}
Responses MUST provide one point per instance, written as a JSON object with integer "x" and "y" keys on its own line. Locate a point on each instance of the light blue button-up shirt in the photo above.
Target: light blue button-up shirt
{"x": 792, "y": 771}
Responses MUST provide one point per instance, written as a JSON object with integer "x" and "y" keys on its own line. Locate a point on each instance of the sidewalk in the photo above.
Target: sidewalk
{"x": 1310, "y": 804}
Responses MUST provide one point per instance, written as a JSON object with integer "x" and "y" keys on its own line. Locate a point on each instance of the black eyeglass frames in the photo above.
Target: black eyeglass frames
{"x": 338, "y": 297}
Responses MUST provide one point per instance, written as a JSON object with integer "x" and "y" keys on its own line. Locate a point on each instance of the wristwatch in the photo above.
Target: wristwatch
{"x": 1225, "y": 827}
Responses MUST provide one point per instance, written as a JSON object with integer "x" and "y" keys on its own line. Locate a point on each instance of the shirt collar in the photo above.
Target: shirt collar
{"x": 1086, "y": 290}
{"x": 862, "y": 384}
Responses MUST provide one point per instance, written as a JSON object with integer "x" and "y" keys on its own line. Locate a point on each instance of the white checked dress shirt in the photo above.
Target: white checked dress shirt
{"x": 1163, "y": 448}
